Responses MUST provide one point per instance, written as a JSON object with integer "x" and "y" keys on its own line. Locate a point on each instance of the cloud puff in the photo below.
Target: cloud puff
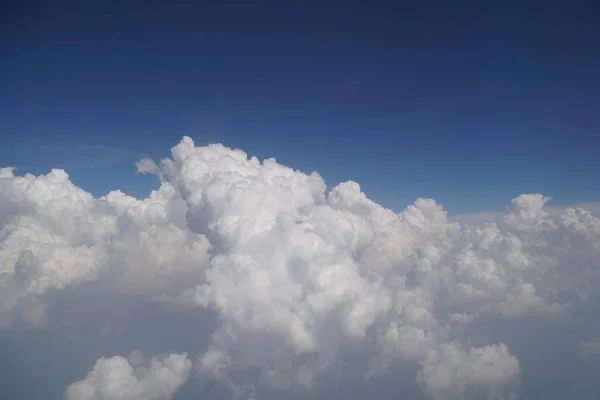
{"x": 135, "y": 378}
{"x": 301, "y": 277}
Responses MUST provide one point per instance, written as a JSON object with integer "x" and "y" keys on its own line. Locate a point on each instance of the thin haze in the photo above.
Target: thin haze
{"x": 446, "y": 246}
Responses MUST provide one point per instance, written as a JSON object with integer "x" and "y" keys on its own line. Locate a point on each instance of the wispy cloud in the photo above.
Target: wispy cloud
{"x": 41, "y": 154}
{"x": 590, "y": 347}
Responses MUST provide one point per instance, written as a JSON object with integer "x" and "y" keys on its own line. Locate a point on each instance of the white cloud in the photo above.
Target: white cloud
{"x": 481, "y": 218}
{"x": 452, "y": 372}
{"x": 300, "y": 277}
{"x": 119, "y": 378}
{"x": 54, "y": 235}
{"x": 312, "y": 272}
{"x": 147, "y": 166}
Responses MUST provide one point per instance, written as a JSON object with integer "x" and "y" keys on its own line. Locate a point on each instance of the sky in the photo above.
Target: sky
{"x": 164, "y": 234}
{"x": 469, "y": 103}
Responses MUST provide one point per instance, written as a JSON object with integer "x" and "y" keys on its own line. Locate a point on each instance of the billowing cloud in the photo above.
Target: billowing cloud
{"x": 54, "y": 235}
{"x": 132, "y": 378}
{"x": 302, "y": 278}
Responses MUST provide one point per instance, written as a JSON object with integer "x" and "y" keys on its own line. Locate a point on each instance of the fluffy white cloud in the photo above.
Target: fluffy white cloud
{"x": 135, "y": 378}
{"x": 54, "y": 234}
{"x": 300, "y": 276}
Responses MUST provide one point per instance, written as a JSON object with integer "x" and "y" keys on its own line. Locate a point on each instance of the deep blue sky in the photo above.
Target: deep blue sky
{"x": 470, "y": 103}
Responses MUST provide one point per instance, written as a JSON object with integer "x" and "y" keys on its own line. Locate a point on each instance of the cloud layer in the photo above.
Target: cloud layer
{"x": 301, "y": 278}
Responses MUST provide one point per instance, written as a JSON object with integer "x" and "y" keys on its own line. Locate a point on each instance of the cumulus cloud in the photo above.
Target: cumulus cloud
{"x": 300, "y": 276}
{"x": 132, "y": 378}
{"x": 55, "y": 235}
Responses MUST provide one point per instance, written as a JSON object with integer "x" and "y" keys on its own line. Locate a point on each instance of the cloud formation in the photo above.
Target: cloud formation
{"x": 132, "y": 378}
{"x": 301, "y": 278}
{"x": 55, "y": 235}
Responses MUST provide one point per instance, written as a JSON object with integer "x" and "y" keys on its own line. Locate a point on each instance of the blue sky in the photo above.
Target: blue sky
{"x": 471, "y": 103}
